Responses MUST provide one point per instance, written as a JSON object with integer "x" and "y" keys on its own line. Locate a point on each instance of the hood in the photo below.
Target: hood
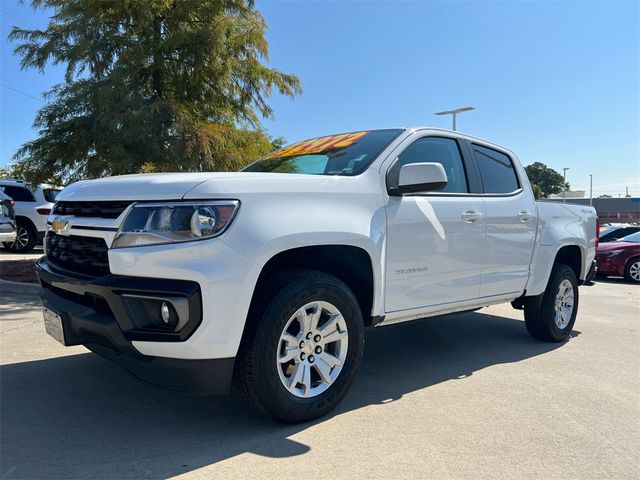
{"x": 239, "y": 184}
{"x": 608, "y": 246}
{"x": 153, "y": 186}
{"x": 175, "y": 186}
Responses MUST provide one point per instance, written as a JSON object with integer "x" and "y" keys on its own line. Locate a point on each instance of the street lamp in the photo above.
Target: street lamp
{"x": 591, "y": 189}
{"x": 453, "y": 113}
{"x": 564, "y": 183}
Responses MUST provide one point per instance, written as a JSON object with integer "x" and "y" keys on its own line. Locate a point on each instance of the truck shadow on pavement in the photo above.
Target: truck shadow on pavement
{"x": 79, "y": 416}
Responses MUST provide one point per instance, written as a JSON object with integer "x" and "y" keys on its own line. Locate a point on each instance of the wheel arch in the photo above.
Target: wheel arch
{"x": 570, "y": 253}
{"x": 571, "y": 256}
{"x": 28, "y": 221}
{"x": 626, "y": 269}
{"x": 351, "y": 264}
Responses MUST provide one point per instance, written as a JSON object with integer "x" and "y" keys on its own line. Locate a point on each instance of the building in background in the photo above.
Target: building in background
{"x": 569, "y": 194}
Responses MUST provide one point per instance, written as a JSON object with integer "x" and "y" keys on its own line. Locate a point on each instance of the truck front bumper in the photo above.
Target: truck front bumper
{"x": 98, "y": 314}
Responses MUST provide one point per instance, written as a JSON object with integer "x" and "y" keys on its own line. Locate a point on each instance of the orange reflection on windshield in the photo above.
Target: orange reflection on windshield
{"x": 317, "y": 145}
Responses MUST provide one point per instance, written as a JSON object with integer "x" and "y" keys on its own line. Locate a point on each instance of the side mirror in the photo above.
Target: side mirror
{"x": 418, "y": 177}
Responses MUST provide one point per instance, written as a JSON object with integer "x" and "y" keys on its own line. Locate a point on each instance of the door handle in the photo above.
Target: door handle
{"x": 470, "y": 216}
{"x": 524, "y": 216}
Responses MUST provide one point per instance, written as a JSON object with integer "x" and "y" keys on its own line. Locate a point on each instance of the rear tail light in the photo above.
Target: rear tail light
{"x": 597, "y": 232}
{"x": 44, "y": 211}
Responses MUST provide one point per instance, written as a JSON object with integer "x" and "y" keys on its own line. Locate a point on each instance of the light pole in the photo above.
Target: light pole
{"x": 453, "y": 113}
{"x": 564, "y": 183}
{"x": 591, "y": 189}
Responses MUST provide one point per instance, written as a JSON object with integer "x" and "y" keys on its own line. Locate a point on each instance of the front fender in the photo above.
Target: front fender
{"x": 261, "y": 243}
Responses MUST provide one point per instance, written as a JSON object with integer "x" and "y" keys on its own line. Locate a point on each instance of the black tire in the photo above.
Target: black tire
{"x": 540, "y": 320}
{"x": 26, "y": 239}
{"x": 256, "y": 374}
{"x": 633, "y": 262}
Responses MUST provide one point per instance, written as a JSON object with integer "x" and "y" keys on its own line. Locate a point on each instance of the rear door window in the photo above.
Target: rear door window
{"x": 19, "y": 194}
{"x": 496, "y": 170}
{"x": 50, "y": 194}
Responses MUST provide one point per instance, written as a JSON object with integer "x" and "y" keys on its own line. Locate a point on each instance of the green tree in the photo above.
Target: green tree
{"x": 19, "y": 171}
{"x": 537, "y": 191}
{"x": 11, "y": 171}
{"x": 547, "y": 180}
{"x": 150, "y": 85}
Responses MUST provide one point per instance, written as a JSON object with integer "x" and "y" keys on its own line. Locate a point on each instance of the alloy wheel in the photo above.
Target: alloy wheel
{"x": 634, "y": 270}
{"x": 312, "y": 349}
{"x": 22, "y": 238}
{"x": 563, "y": 309}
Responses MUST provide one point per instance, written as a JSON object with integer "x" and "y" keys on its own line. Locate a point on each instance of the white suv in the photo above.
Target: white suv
{"x": 32, "y": 208}
{"x": 7, "y": 221}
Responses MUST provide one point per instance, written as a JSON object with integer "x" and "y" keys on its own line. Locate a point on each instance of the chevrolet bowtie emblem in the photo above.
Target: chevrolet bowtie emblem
{"x": 60, "y": 226}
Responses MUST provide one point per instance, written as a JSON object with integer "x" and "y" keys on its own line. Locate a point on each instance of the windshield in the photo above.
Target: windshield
{"x": 343, "y": 154}
{"x": 50, "y": 194}
{"x": 634, "y": 238}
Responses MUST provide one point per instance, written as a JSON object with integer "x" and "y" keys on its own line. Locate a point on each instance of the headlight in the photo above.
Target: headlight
{"x": 611, "y": 253}
{"x": 173, "y": 222}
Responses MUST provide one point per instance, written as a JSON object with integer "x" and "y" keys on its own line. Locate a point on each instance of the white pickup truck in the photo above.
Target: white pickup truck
{"x": 266, "y": 278}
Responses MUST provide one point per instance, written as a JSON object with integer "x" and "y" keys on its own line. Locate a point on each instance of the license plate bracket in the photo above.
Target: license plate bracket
{"x": 53, "y": 325}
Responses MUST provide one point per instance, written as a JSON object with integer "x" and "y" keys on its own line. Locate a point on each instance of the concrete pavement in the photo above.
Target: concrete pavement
{"x": 32, "y": 255}
{"x": 468, "y": 396}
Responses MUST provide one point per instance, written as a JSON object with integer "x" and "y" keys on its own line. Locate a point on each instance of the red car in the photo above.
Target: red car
{"x": 621, "y": 257}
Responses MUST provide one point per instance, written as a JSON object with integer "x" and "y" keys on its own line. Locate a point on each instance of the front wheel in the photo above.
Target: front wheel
{"x": 303, "y": 347}
{"x": 553, "y": 319}
{"x": 632, "y": 270}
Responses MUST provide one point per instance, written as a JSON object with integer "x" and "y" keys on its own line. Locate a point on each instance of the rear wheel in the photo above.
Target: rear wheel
{"x": 303, "y": 347}
{"x": 553, "y": 319}
{"x": 632, "y": 270}
{"x": 26, "y": 238}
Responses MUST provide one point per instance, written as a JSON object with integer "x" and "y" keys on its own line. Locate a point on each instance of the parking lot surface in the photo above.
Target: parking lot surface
{"x": 32, "y": 255}
{"x": 465, "y": 396}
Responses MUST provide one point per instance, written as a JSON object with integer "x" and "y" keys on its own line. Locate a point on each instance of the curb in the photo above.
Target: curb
{"x": 28, "y": 286}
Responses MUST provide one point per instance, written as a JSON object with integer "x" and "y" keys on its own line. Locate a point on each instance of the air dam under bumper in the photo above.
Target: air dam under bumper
{"x": 93, "y": 315}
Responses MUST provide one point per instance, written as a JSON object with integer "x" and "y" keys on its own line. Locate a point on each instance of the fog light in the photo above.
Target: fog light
{"x": 165, "y": 313}
{"x": 168, "y": 314}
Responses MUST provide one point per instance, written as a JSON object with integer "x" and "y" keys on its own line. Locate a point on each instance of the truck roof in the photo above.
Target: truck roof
{"x": 459, "y": 134}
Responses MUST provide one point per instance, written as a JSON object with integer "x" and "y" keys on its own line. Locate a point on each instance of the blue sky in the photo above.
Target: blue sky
{"x": 557, "y": 82}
